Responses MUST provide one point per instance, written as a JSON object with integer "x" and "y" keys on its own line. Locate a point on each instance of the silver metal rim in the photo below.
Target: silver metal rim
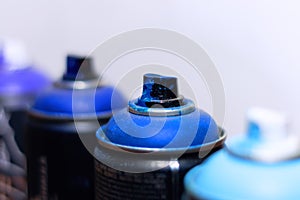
{"x": 52, "y": 116}
{"x": 77, "y": 85}
{"x": 188, "y": 107}
{"x": 103, "y": 141}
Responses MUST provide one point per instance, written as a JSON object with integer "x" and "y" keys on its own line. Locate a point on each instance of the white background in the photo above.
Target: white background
{"x": 254, "y": 44}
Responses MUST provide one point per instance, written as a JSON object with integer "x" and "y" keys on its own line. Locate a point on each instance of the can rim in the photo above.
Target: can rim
{"x": 77, "y": 84}
{"x": 187, "y": 107}
{"x": 104, "y": 142}
{"x": 64, "y": 116}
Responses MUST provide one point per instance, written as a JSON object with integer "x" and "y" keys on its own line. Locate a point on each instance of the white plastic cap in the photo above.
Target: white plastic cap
{"x": 272, "y": 125}
{"x": 271, "y": 135}
{"x": 14, "y": 53}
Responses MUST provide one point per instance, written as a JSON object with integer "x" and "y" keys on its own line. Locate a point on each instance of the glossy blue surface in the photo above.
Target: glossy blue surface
{"x": 18, "y": 82}
{"x": 226, "y": 176}
{"x": 157, "y": 132}
{"x": 63, "y": 101}
{"x": 59, "y": 102}
{"x": 22, "y": 82}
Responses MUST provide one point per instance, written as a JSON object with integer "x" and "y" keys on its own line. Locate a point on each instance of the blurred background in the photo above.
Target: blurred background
{"x": 254, "y": 45}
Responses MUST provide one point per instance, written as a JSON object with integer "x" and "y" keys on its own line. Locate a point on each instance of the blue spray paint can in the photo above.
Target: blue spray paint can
{"x": 145, "y": 150}
{"x": 59, "y": 165}
{"x": 20, "y": 83}
{"x": 263, "y": 164}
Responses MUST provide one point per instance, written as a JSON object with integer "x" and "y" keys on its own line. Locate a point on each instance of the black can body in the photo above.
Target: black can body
{"x": 162, "y": 184}
{"x": 59, "y": 165}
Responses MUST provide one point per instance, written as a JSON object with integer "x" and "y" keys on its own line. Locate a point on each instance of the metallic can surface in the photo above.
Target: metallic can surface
{"x": 165, "y": 183}
{"x": 148, "y": 160}
{"x": 59, "y": 165}
{"x": 264, "y": 164}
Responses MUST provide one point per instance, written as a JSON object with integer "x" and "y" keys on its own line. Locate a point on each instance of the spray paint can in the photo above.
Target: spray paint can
{"x": 59, "y": 165}
{"x": 20, "y": 83}
{"x": 145, "y": 150}
{"x": 263, "y": 164}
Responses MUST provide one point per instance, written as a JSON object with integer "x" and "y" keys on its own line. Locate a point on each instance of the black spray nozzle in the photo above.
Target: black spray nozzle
{"x": 161, "y": 90}
{"x": 79, "y": 68}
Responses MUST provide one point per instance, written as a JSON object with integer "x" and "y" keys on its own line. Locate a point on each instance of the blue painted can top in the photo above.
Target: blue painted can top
{"x": 263, "y": 164}
{"x": 77, "y": 94}
{"x": 160, "y": 118}
{"x": 18, "y": 77}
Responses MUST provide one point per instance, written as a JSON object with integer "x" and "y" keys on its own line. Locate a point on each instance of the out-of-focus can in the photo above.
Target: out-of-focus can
{"x": 59, "y": 165}
{"x": 264, "y": 164}
{"x": 145, "y": 150}
{"x": 20, "y": 83}
{"x": 12, "y": 164}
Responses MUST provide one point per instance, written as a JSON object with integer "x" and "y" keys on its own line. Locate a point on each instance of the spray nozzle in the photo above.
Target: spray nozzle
{"x": 161, "y": 90}
{"x": 79, "y": 68}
